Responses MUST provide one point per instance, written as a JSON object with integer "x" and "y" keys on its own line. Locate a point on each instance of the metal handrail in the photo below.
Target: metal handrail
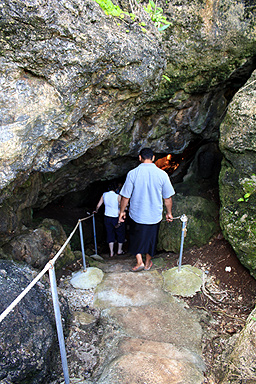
{"x": 50, "y": 267}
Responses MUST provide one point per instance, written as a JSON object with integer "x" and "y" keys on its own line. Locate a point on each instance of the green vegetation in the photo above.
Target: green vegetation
{"x": 167, "y": 78}
{"x": 110, "y": 9}
{"x": 156, "y": 13}
{"x": 157, "y": 16}
{"x": 250, "y": 187}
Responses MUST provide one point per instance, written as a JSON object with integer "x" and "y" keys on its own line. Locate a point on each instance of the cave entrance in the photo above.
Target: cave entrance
{"x": 193, "y": 172}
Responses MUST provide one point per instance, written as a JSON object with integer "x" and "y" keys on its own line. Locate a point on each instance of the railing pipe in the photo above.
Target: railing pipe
{"x": 82, "y": 243}
{"x": 94, "y": 234}
{"x": 184, "y": 220}
{"x": 59, "y": 324}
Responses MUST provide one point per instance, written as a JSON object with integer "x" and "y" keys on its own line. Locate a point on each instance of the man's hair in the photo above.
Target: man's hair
{"x": 146, "y": 153}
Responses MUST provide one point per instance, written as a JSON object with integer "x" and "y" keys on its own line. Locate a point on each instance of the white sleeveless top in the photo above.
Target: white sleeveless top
{"x": 111, "y": 204}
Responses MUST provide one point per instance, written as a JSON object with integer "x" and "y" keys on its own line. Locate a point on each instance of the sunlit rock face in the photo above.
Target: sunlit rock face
{"x": 238, "y": 175}
{"x": 81, "y": 92}
{"x": 71, "y": 78}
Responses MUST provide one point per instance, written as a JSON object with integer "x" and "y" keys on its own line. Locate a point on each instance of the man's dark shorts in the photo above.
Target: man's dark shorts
{"x": 143, "y": 238}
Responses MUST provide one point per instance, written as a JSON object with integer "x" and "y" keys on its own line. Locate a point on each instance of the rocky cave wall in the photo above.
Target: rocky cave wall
{"x": 238, "y": 175}
{"x": 81, "y": 92}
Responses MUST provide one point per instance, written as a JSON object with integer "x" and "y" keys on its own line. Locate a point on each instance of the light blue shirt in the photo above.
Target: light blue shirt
{"x": 146, "y": 186}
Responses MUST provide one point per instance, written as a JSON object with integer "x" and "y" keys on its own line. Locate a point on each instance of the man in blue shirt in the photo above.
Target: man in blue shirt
{"x": 145, "y": 188}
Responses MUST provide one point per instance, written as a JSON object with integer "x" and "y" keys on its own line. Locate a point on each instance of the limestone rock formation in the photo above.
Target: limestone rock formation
{"x": 240, "y": 364}
{"x": 71, "y": 78}
{"x": 81, "y": 91}
{"x": 237, "y": 178}
{"x": 29, "y": 344}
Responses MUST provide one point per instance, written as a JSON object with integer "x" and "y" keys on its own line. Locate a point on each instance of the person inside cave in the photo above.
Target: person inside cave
{"x": 115, "y": 231}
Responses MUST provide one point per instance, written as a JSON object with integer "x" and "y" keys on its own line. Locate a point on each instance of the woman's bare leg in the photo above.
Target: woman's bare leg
{"x": 111, "y": 249}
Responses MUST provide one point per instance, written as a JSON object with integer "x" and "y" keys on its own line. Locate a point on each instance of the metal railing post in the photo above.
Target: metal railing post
{"x": 59, "y": 324}
{"x": 184, "y": 220}
{"x": 82, "y": 244}
{"x": 50, "y": 267}
{"x": 94, "y": 234}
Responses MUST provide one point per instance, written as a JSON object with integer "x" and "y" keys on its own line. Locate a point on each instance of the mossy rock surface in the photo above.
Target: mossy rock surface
{"x": 202, "y": 223}
{"x": 237, "y": 176}
{"x": 184, "y": 282}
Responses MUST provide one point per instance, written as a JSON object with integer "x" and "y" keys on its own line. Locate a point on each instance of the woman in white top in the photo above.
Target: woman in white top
{"x": 111, "y": 200}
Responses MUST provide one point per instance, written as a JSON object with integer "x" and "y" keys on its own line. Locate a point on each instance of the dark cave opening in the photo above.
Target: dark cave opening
{"x": 200, "y": 162}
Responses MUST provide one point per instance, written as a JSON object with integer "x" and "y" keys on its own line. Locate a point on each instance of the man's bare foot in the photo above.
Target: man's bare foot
{"x": 138, "y": 268}
{"x": 148, "y": 266}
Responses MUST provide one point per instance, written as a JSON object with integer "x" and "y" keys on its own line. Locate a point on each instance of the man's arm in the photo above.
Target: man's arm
{"x": 123, "y": 205}
{"x": 168, "y": 204}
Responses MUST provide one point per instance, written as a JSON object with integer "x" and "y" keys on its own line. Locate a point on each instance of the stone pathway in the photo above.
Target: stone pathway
{"x": 150, "y": 336}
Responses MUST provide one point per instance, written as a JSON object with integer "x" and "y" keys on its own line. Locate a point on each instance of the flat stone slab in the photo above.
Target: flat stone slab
{"x": 131, "y": 345}
{"x": 129, "y": 289}
{"x": 97, "y": 257}
{"x": 161, "y": 322}
{"x": 150, "y": 337}
{"x": 142, "y": 361}
{"x": 87, "y": 279}
{"x": 185, "y": 282}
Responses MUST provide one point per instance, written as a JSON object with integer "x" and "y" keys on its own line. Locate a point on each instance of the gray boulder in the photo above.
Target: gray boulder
{"x": 37, "y": 246}
{"x": 28, "y": 336}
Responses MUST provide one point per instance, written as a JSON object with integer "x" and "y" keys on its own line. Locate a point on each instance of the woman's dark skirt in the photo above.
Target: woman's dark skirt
{"x": 143, "y": 238}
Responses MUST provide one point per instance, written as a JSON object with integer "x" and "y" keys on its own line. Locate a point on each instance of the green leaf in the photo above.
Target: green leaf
{"x": 247, "y": 195}
{"x": 148, "y": 8}
{"x": 241, "y": 199}
{"x": 151, "y": 2}
{"x": 163, "y": 27}
{"x": 166, "y": 78}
